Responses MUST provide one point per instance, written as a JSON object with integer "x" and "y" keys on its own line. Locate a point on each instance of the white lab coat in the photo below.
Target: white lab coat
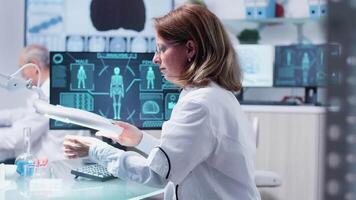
{"x": 206, "y": 150}
{"x": 44, "y": 143}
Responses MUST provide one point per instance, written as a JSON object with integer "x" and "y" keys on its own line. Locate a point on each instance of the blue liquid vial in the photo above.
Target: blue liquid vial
{"x": 26, "y": 158}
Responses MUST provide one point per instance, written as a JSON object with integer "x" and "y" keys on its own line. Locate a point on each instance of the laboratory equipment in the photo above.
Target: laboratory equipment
{"x": 25, "y": 162}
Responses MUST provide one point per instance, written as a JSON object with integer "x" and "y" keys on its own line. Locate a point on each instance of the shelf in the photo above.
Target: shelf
{"x": 260, "y": 24}
{"x": 267, "y": 21}
{"x": 284, "y": 109}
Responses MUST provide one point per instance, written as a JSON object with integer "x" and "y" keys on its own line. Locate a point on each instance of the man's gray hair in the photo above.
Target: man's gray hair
{"x": 36, "y": 52}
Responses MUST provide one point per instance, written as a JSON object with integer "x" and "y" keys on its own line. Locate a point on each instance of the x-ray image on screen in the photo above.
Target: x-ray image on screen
{"x": 93, "y": 25}
{"x": 104, "y": 20}
{"x": 120, "y": 86}
{"x": 303, "y": 65}
{"x": 256, "y": 62}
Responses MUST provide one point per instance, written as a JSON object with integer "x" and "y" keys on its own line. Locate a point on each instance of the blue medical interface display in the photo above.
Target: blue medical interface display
{"x": 120, "y": 86}
{"x": 302, "y": 65}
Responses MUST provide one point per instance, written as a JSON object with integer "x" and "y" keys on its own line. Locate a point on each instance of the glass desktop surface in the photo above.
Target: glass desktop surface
{"x": 66, "y": 187}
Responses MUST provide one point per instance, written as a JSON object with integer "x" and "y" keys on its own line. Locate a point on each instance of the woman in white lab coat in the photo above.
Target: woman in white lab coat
{"x": 207, "y": 148}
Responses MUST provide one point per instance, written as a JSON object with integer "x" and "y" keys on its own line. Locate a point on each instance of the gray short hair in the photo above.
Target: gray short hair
{"x": 36, "y": 52}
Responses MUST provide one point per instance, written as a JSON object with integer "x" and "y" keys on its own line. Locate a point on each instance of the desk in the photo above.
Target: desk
{"x": 63, "y": 186}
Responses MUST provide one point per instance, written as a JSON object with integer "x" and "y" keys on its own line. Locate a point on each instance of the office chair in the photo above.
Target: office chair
{"x": 264, "y": 178}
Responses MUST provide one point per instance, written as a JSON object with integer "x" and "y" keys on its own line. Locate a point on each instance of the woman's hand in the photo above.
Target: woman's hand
{"x": 77, "y": 146}
{"x": 131, "y": 136}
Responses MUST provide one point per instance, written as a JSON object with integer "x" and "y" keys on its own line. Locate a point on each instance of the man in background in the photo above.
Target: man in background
{"x": 44, "y": 143}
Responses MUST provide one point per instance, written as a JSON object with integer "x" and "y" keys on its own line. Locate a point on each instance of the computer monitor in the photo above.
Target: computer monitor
{"x": 256, "y": 62}
{"x": 303, "y": 65}
{"x": 93, "y": 25}
{"x": 122, "y": 86}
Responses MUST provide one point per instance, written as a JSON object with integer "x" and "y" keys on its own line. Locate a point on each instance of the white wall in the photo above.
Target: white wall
{"x": 11, "y": 43}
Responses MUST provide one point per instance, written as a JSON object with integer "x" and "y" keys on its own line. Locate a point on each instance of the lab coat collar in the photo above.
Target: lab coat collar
{"x": 45, "y": 87}
{"x": 185, "y": 91}
{"x": 188, "y": 89}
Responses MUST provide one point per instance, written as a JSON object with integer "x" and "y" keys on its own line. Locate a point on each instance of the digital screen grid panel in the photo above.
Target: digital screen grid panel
{"x": 303, "y": 65}
{"x": 120, "y": 86}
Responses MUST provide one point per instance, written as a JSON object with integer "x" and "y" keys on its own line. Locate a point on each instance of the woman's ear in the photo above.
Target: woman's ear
{"x": 191, "y": 49}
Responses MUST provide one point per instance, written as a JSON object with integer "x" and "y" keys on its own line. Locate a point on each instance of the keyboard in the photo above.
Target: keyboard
{"x": 275, "y": 103}
{"x": 153, "y": 124}
{"x": 94, "y": 172}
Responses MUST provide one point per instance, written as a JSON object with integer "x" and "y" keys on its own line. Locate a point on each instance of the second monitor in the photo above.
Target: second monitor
{"x": 256, "y": 63}
{"x": 120, "y": 86}
{"x": 303, "y": 65}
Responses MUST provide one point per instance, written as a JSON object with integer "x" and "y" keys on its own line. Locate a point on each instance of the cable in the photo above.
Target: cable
{"x": 37, "y": 88}
{"x": 30, "y": 65}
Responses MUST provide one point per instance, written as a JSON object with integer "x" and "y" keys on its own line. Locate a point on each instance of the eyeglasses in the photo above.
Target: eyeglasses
{"x": 160, "y": 49}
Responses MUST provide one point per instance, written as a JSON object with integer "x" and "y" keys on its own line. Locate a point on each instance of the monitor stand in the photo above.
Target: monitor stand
{"x": 240, "y": 98}
{"x": 311, "y": 96}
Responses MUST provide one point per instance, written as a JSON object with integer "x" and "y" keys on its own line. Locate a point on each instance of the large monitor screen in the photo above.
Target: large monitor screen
{"x": 93, "y": 25}
{"x": 256, "y": 62}
{"x": 120, "y": 86}
{"x": 303, "y": 65}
